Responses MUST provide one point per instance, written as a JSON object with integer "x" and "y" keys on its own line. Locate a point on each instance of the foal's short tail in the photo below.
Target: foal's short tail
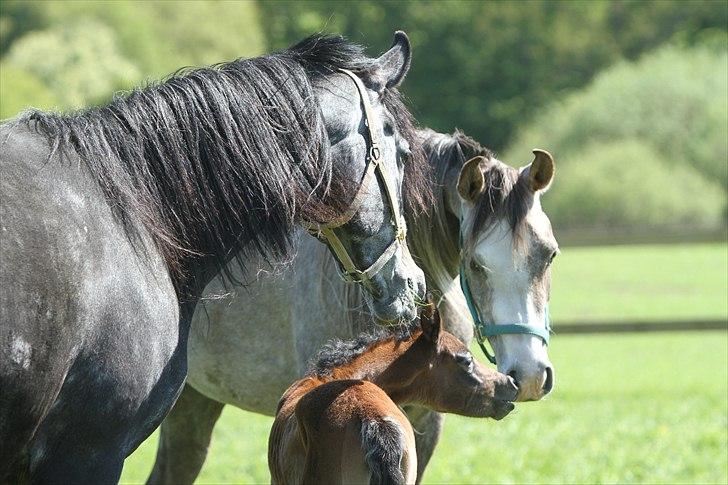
{"x": 383, "y": 444}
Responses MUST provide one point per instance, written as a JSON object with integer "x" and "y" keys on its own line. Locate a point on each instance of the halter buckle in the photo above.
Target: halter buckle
{"x": 353, "y": 276}
{"x": 374, "y": 153}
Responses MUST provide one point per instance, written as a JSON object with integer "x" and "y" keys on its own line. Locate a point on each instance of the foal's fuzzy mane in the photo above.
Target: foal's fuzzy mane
{"x": 222, "y": 160}
{"x": 336, "y": 352}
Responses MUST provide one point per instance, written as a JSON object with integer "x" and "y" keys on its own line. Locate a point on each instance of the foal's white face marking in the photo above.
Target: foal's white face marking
{"x": 511, "y": 285}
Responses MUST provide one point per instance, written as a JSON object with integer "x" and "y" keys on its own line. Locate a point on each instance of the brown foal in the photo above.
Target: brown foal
{"x": 342, "y": 422}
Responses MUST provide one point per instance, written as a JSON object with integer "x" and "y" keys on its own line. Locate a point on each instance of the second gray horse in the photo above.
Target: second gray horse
{"x": 246, "y": 348}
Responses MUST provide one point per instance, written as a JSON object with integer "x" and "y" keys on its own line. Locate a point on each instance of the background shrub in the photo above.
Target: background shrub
{"x": 658, "y": 126}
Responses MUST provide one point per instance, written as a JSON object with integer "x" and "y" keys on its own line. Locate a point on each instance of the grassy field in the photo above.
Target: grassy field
{"x": 670, "y": 282}
{"x": 626, "y": 408}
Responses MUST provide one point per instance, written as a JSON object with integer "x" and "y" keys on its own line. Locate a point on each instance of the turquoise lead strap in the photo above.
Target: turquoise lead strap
{"x": 479, "y": 337}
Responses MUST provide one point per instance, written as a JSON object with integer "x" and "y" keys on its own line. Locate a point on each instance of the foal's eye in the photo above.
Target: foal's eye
{"x": 553, "y": 255}
{"x": 465, "y": 361}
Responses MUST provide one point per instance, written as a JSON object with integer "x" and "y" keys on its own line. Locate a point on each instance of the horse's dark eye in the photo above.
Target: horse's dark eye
{"x": 479, "y": 268}
{"x": 388, "y": 129}
{"x": 553, "y": 255}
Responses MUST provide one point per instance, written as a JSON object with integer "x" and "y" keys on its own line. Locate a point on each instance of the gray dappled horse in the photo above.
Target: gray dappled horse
{"x": 245, "y": 350}
{"x": 114, "y": 219}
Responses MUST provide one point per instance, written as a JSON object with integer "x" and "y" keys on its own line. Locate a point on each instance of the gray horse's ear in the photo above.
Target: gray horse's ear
{"x": 471, "y": 181}
{"x": 541, "y": 171}
{"x": 430, "y": 322}
{"x": 394, "y": 64}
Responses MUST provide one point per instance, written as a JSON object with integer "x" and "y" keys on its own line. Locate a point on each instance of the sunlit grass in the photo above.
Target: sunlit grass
{"x": 626, "y": 408}
{"x": 670, "y": 282}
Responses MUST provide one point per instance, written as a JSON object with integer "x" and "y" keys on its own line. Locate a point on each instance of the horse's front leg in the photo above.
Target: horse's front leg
{"x": 185, "y": 438}
{"x": 428, "y": 426}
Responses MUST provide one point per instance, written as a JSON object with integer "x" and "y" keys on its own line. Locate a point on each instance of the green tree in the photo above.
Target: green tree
{"x": 488, "y": 67}
{"x": 79, "y": 63}
{"x": 643, "y": 145}
{"x": 626, "y": 184}
{"x": 74, "y": 53}
{"x": 163, "y": 36}
{"x": 20, "y": 89}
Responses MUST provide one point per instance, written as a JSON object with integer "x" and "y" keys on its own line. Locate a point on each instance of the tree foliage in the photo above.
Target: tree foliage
{"x": 645, "y": 143}
{"x": 590, "y": 81}
{"x": 488, "y": 67}
{"x": 79, "y": 63}
{"x": 84, "y": 51}
{"x": 626, "y": 184}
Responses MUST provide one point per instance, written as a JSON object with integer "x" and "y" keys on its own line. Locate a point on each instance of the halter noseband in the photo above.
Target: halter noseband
{"x": 483, "y": 330}
{"x": 374, "y": 167}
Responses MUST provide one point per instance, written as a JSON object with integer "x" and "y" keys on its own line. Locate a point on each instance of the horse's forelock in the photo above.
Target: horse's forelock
{"x": 506, "y": 197}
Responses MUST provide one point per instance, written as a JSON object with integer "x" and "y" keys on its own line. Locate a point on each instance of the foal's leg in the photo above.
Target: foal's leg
{"x": 428, "y": 426}
{"x": 184, "y": 438}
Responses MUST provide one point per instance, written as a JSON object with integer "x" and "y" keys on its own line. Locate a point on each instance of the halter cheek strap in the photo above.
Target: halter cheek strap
{"x": 483, "y": 330}
{"x": 374, "y": 168}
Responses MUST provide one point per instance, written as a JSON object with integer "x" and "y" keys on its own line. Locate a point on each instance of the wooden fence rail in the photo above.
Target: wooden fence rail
{"x": 640, "y": 326}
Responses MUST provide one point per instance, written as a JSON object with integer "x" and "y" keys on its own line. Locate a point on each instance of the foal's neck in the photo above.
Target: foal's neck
{"x": 390, "y": 364}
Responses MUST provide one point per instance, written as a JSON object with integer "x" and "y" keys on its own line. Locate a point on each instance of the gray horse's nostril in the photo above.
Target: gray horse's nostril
{"x": 549, "y": 382}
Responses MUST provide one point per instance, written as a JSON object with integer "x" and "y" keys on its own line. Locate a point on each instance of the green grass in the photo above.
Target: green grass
{"x": 671, "y": 282}
{"x": 626, "y": 408}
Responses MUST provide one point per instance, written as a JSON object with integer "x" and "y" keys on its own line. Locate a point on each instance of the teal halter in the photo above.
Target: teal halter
{"x": 483, "y": 331}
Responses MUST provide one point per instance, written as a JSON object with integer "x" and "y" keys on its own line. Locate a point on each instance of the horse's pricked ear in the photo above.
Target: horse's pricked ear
{"x": 471, "y": 181}
{"x": 541, "y": 171}
{"x": 430, "y": 322}
{"x": 393, "y": 65}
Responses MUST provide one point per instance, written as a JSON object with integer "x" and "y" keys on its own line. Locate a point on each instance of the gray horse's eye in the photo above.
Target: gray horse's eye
{"x": 477, "y": 267}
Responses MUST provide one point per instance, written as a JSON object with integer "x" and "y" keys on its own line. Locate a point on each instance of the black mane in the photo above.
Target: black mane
{"x": 211, "y": 159}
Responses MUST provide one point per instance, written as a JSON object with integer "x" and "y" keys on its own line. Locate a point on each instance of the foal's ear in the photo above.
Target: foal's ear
{"x": 393, "y": 65}
{"x": 541, "y": 171}
{"x": 471, "y": 181}
{"x": 430, "y": 322}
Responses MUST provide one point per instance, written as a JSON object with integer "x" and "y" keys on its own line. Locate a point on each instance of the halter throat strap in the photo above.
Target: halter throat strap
{"x": 374, "y": 168}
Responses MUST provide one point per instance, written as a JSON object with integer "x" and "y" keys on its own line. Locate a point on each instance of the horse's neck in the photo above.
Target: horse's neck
{"x": 391, "y": 365}
{"x": 435, "y": 235}
{"x": 435, "y": 243}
